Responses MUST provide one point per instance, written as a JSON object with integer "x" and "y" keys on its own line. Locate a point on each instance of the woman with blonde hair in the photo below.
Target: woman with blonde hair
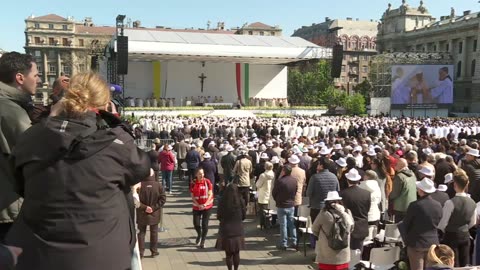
{"x": 440, "y": 257}
{"x": 75, "y": 179}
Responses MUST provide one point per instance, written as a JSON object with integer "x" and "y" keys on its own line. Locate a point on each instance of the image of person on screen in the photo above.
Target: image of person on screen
{"x": 400, "y": 89}
{"x": 443, "y": 92}
{"x": 420, "y": 92}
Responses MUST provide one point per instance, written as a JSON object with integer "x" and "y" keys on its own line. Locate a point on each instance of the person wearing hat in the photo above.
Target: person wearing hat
{"x": 154, "y": 159}
{"x": 270, "y": 152}
{"x": 228, "y": 163}
{"x": 459, "y": 215}
{"x": 193, "y": 160}
{"x": 167, "y": 162}
{"x": 264, "y": 189}
{"x": 471, "y": 165}
{"x": 305, "y": 159}
{"x": 426, "y": 172}
{"x": 440, "y": 195}
{"x": 327, "y": 257}
{"x": 284, "y": 193}
{"x": 404, "y": 190}
{"x": 358, "y": 201}
{"x": 442, "y": 167}
{"x": 209, "y": 168}
{"x": 181, "y": 148}
{"x": 243, "y": 169}
{"x": 370, "y": 184}
{"x": 419, "y": 227}
{"x": 300, "y": 176}
{"x": 319, "y": 185}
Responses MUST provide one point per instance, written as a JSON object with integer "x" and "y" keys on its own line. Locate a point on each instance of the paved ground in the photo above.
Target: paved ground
{"x": 178, "y": 252}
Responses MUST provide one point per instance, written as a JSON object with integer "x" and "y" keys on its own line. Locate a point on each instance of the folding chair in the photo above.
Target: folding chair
{"x": 385, "y": 255}
{"x": 304, "y": 224}
{"x": 392, "y": 234}
{"x": 306, "y": 231}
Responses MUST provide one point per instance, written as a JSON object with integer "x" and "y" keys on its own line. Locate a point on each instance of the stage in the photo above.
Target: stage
{"x": 211, "y": 68}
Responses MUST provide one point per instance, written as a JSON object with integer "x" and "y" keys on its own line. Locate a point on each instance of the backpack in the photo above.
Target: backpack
{"x": 338, "y": 234}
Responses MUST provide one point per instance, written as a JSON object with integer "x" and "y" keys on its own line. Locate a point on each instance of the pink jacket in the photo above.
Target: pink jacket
{"x": 166, "y": 160}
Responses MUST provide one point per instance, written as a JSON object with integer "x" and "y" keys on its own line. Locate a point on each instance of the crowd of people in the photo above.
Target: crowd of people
{"x": 78, "y": 193}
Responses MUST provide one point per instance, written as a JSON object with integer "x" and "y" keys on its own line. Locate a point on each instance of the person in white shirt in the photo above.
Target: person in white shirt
{"x": 370, "y": 183}
{"x": 443, "y": 92}
{"x": 264, "y": 190}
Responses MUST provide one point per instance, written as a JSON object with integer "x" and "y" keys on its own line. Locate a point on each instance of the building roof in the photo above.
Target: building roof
{"x": 49, "y": 17}
{"x": 354, "y": 27}
{"x": 259, "y": 25}
{"x": 95, "y": 30}
{"x": 187, "y": 30}
{"x": 148, "y": 45}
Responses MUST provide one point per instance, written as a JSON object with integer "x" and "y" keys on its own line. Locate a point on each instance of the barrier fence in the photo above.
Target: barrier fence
{"x": 146, "y": 144}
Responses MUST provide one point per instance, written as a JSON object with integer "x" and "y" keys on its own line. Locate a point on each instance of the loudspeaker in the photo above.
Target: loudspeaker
{"x": 337, "y": 58}
{"x": 122, "y": 55}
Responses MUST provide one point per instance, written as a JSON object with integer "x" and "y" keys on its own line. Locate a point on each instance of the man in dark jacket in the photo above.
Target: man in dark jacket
{"x": 193, "y": 160}
{"x": 228, "y": 163}
{"x": 358, "y": 201}
{"x": 459, "y": 215}
{"x": 283, "y": 193}
{"x": 18, "y": 81}
{"x": 471, "y": 165}
{"x": 152, "y": 198}
{"x": 153, "y": 154}
{"x": 318, "y": 187}
{"x": 419, "y": 227}
{"x": 442, "y": 167}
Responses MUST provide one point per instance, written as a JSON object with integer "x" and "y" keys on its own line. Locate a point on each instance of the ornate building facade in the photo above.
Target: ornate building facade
{"x": 259, "y": 29}
{"x": 359, "y": 44}
{"x": 413, "y": 29}
{"x": 62, "y": 45}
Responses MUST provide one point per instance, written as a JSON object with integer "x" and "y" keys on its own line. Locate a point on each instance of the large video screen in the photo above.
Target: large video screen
{"x": 422, "y": 86}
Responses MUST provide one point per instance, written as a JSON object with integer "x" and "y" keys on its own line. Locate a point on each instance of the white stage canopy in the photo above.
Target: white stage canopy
{"x": 154, "y": 45}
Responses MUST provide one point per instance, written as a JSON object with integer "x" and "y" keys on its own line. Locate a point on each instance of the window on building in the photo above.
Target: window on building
{"x": 52, "y": 68}
{"x": 66, "y": 69}
{"x": 434, "y": 48}
{"x": 272, "y": 33}
{"x": 51, "y": 41}
{"x": 52, "y": 54}
{"x": 447, "y": 47}
{"x": 460, "y": 47}
{"x": 342, "y": 79}
{"x": 475, "y": 45}
{"x": 40, "y": 68}
{"x": 38, "y": 53}
{"x": 343, "y": 68}
{"x": 37, "y": 25}
{"x": 65, "y": 27}
{"x": 365, "y": 58}
{"x": 459, "y": 69}
{"x": 81, "y": 67}
{"x": 36, "y": 40}
{"x": 262, "y": 33}
{"x": 344, "y": 57}
{"x": 365, "y": 69}
{"x": 472, "y": 68}
{"x": 80, "y": 43}
{"x": 65, "y": 41}
{"x": 50, "y": 26}
{"x": 250, "y": 33}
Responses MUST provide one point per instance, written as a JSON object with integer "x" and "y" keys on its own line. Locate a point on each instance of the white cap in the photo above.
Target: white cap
{"x": 426, "y": 171}
{"x": 337, "y": 146}
{"x": 357, "y": 149}
{"x": 250, "y": 144}
{"x": 473, "y": 152}
{"x": 309, "y": 147}
{"x": 264, "y": 156}
{"x": 353, "y": 175}
{"x": 229, "y": 148}
{"x": 169, "y": 147}
{"x": 427, "y": 151}
{"x": 371, "y": 152}
{"x": 333, "y": 196}
{"x": 342, "y": 162}
{"x": 275, "y": 160}
{"x": 269, "y": 144}
{"x": 448, "y": 178}
{"x": 293, "y": 159}
{"x": 426, "y": 185}
{"x": 442, "y": 188}
{"x": 193, "y": 146}
{"x": 211, "y": 143}
{"x": 325, "y": 151}
{"x": 207, "y": 155}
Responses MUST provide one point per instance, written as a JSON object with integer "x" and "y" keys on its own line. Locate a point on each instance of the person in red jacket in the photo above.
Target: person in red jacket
{"x": 167, "y": 163}
{"x": 202, "y": 196}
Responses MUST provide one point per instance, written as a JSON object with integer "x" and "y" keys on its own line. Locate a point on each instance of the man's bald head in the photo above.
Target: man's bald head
{"x": 401, "y": 164}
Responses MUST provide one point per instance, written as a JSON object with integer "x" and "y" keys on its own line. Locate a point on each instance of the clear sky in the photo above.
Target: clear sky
{"x": 289, "y": 14}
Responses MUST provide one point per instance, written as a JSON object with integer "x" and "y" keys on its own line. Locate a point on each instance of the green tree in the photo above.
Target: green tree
{"x": 355, "y": 104}
{"x": 365, "y": 89}
{"x": 307, "y": 84}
